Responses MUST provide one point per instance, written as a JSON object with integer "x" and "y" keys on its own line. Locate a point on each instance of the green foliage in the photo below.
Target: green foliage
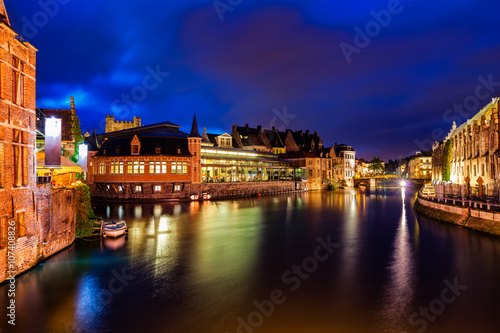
{"x": 77, "y": 136}
{"x": 333, "y": 184}
{"x": 84, "y": 211}
{"x": 376, "y": 165}
{"x": 446, "y": 172}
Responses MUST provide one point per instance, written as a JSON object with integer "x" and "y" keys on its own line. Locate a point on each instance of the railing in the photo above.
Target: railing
{"x": 485, "y": 196}
{"x": 44, "y": 179}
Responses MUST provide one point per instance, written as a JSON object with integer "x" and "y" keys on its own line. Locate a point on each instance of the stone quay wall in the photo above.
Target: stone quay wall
{"x": 472, "y": 218}
{"x": 52, "y": 230}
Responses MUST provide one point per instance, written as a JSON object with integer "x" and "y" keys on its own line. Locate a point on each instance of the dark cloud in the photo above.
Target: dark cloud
{"x": 265, "y": 56}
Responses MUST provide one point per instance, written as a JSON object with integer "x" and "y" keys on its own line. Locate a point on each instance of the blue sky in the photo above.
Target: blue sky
{"x": 293, "y": 64}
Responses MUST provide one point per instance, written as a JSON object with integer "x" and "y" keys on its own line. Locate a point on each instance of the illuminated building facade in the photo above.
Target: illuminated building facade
{"x": 474, "y": 149}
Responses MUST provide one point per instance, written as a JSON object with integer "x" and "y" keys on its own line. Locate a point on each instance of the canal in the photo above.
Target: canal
{"x": 342, "y": 261}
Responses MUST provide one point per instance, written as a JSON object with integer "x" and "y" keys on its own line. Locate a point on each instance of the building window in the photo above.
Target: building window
{"x": 177, "y": 188}
{"x": 21, "y": 225}
{"x": 102, "y": 168}
{"x": 310, "y": 173}
{"x": 482, "y": 170}
{"x": 157, "y": 150}
{"x": 135, "y": 149}
{"x": 179, "y": 168}
{"x": 20, "y": 159}
{"x": 157, "y": 188}
{"x": 138, "y": 188}
{"x": 108, "y": 188}
{"x": 135, "y": 168}
{"x": 179, "y": 150}
{"x": 120, "y": 189}
{"x": 17, "y": 81}
{"x": 117, "y": 168}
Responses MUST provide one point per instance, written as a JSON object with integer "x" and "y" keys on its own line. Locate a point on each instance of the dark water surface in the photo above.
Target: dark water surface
{"x": 264, "y": 265}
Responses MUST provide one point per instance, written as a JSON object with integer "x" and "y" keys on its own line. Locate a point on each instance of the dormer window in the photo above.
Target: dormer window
{"x": 118, "y": 150}
{"x": 158, "y": 150}
{"x": 135, "y": 145}
{"x": 179, "y": 150}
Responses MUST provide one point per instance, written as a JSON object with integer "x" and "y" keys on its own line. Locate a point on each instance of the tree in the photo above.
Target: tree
{"x": 376, "y": 165}
{"x": 446, "y": 172}
{"x": 77, "y": 136}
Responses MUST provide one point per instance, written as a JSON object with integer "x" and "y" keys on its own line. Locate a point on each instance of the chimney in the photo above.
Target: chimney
{"x": 204, "y": 131}
{"x": 307, "y": 132}
{"x": 72, "y": 99}
{"x": 274, "y": 128}
{"x": 259, "y": 128}
{"x": 300, "y": 132}
{"x": 246, "y": 126}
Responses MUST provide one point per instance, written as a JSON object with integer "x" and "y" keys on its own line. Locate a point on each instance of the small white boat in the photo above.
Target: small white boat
{"x": 114, "y": 229}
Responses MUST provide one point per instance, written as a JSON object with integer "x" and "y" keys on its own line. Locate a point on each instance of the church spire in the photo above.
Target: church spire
{"x": 3, "y": 14}
{"x": 194, "y": 129}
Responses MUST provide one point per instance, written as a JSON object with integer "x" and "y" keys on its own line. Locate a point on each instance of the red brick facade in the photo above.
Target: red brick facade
{"x": 20, "y": 199}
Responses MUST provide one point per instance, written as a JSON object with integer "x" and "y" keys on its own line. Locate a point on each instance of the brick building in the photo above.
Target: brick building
{"x": 17, "y": 143}
{"x": 44, "y": 218}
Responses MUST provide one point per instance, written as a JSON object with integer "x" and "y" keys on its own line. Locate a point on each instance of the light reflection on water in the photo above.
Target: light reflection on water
{"x": 198, "y": 266}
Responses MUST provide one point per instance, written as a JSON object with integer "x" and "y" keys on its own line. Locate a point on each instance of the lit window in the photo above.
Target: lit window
{"x": 138, "y": 188}
{"x": 157, "y": 188}
{"x": 177, "y": 188}
{"x": 120, "y": 189}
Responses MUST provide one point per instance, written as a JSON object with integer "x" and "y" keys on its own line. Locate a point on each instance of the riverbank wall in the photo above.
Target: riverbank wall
{"x": 51, "y": 230}
{"x": 176, "y": 192}
{"x": 472, "y": 218}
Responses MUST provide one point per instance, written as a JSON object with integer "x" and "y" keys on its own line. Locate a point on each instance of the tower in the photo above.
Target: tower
{"x": 194, "y": 142}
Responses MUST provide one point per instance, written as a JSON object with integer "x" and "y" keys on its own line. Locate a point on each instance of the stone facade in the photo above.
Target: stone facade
{"x": 474, "y": 148}
{"x": 113, "y": 125}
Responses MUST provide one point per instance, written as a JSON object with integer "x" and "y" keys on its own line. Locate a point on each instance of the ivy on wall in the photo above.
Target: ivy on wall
{"x": 84, "y": 212}
{"x": 447, "y": 161}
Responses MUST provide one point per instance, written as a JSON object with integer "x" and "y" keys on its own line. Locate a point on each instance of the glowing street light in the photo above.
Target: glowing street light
{"x": 403, "y": 183}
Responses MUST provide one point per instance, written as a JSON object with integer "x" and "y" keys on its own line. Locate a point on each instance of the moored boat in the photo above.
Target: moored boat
{"x": 114, "y": 229}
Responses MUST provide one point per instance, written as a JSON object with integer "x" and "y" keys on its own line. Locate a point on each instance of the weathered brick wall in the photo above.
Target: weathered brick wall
{"x": 57, "y": 219}
{"x": 51, "y": 231}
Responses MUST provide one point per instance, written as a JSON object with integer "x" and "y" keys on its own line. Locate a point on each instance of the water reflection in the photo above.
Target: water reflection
{"x": 400, "y": 289}
{"x": 199, "y": 266}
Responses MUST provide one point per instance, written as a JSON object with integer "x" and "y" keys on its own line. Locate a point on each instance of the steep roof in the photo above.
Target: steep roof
{"x": 194, "y": 129}
{"x": 4, "y": 17}
{"x": 120, "y": 146}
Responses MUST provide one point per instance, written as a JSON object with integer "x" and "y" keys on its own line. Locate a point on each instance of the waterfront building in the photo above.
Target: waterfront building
{"x": 473, "y": 149}
{"x": 420, "y": 167}
{"x": 17, "y": 142}
{"x": 161, "y": 162}
{"x": 113, "y": 125}
{"x": 43, "y": 219}
{"x": 346, "y": 162}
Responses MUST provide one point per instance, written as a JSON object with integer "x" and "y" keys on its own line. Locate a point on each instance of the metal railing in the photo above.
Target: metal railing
{"x": 485, "y": 196}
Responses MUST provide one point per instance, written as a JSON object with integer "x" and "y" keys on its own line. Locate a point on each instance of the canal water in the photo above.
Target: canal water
{"x": 342, "y": 261}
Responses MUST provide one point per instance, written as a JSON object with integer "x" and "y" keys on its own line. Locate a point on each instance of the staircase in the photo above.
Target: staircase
{"x": 428, "y": 190}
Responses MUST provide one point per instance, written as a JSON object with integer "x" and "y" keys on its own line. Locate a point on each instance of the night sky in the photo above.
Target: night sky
{"x": 294, "y": 64}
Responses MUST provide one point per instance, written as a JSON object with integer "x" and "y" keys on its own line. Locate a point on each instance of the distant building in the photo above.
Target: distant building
{"x": 347, "y": 159}
{"x": 420, "y": 167}
{"x": 113, "y": 125}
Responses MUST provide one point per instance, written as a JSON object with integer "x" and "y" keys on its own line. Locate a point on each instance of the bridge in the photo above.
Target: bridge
{"x": 388, "y": 180}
